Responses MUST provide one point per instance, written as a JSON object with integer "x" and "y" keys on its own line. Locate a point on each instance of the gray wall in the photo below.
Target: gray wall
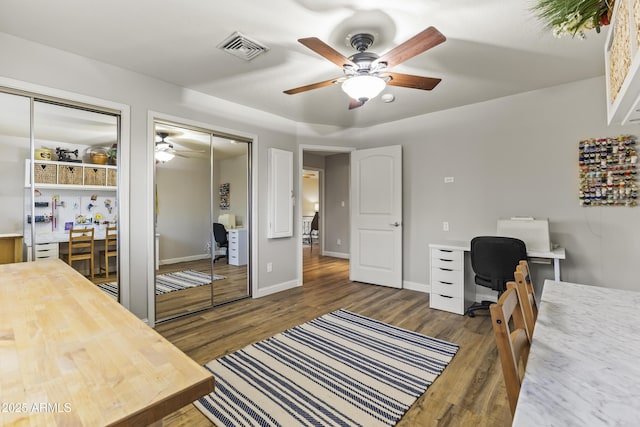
{"x": 514, "y": 156}
{"x": 233, "y": 171}
{"x": 336, "y": 192}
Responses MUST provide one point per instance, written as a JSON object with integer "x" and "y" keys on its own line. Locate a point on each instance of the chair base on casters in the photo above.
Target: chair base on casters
{"x": 484, "y": 305}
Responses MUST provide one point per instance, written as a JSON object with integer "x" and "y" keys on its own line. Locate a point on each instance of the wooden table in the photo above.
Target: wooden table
{"x": 70, "y": 355}
{"x": 10, "y": 248}
{"x": 584, "y": 364}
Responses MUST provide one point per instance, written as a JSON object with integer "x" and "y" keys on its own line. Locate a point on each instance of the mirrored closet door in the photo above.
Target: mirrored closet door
{"x": 60, "y": 172}
{"x": 201, "y": 219}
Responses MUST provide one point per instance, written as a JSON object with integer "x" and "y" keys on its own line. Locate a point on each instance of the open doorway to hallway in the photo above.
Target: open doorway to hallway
{"x": 324, "y": 197}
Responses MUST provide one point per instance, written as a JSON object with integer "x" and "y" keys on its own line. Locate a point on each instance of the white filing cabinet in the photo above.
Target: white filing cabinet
{"x": 448, "y": 290}
{"x": 237, "y": 246}
{"x": 44, "y": 251}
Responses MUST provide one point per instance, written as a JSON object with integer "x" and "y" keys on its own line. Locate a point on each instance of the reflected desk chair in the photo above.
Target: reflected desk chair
{"x": 494, "y": 260}
{"x": 81, "y": 247}
{"x": 220, "y": 237}
{"x": 110, "y": 249}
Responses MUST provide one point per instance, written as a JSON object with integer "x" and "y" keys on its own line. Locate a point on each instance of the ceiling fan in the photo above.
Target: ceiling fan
{"x": 164, "y": 150}
{"x": 366, "y": 72}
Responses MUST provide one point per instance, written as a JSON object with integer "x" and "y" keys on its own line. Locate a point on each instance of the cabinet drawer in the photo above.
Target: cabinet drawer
{"x": 447, "y": 276}
{"x": 447, "y": 289}
{"x": 446, "y": 303}
{"x": 448, "y": 260}
{"x": 47, "y": 250}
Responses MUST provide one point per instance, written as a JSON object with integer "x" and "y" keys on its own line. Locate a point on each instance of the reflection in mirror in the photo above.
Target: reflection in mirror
{"x": 75, "y": 175}
{"x": 72, "y": 188}
{"x": 201, "y": 220}
{"x": 14, "y": 146}
{"x": 231, "y": 210}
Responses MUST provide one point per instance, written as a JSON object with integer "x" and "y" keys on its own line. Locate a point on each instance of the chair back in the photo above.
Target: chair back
{"x": 512, "y": 342}
{"x": 526, "y": 295}
{"x": 111, "y": 240}
{"x": 81, "y": 246}
{"x": 314, "y": 222}
{"x": 220, "y": 234}
{"x": 493, "y": 259}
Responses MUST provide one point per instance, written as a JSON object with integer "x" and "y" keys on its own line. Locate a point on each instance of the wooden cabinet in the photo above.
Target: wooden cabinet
{"x": 622, "y": 63}
{"x": 238, "y": 246}
{"x": 10, "y": 248}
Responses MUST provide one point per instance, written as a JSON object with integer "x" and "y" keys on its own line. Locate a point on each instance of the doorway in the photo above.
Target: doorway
{"x": 327, "y": 169}
{"x": 202, "y": 219}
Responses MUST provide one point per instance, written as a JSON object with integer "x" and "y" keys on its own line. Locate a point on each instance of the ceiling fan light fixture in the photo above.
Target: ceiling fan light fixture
{"x": 363, "y": 88}
{"x": 164, "y": 156}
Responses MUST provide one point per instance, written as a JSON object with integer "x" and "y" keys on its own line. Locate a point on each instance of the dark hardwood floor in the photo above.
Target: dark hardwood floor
{"x": 470, "y": 392}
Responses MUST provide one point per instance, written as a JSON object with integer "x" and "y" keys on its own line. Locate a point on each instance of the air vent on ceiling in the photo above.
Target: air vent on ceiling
{"x": 242, "y": 46}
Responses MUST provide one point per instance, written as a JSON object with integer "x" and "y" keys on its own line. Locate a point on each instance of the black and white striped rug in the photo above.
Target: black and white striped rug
{"x": 170, "y": 282}
{"x": 341, "y": 369}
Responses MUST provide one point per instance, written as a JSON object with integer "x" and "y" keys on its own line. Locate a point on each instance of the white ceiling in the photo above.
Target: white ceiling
{"x": 494, "y": 48}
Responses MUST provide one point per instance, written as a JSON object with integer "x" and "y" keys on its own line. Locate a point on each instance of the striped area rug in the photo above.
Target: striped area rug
{"x": 170, "y": 282}
{"x": 341, "y": 369}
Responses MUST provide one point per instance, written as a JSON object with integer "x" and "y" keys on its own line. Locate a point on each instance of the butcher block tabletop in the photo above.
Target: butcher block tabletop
{"x": 72, "y": 356}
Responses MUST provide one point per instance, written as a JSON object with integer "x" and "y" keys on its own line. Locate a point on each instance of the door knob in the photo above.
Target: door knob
{"x": 395, "y": 224}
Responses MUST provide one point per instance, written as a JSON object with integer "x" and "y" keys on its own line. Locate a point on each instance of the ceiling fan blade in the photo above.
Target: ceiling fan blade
{"x": 326, "y": 51}
{"x": 354, "y": 103}
{"x": 312, "y": 86}
{"x": 414, "y": 82}
{"x": 415, "y": 45}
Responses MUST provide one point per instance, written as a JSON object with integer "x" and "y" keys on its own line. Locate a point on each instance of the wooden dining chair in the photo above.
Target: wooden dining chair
{"x": 526, "y": 296}
{"x": 512, "y": 342}
{"x": 81, "y": 247}
{"x": 110, "y": 249}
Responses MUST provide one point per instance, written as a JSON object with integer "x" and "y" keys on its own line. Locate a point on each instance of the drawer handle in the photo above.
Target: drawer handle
{"x": 446, "y": 260}
{"x": 446, "y": 250}
{"x": 446, "y": 296}
{"x": 445, "y": 269}
{"x": 445, "y": 283}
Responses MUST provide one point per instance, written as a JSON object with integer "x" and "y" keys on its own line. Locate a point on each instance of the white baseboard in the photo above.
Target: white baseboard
{"x": 279, "y": 287}
{"x": 415, "y": 286}
{"x": 336, "y": 254}
{"x": 184, "y": 259}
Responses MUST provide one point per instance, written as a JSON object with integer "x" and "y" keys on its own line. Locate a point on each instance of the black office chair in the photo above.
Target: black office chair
{"x": 494, "y": 259}
{"x": 220, "y": 236}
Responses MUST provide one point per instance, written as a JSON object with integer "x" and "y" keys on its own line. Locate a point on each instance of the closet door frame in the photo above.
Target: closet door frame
{"x": 252, "y": 270}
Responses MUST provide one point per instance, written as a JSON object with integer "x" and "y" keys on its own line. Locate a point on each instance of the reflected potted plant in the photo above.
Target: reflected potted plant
{"x": 573, "y": 18}
{"x": 112, "y": 154}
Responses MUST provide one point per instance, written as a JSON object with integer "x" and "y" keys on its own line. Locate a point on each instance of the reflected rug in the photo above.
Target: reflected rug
{"x": 340, "y": 369}
{"x": 170, "y": 282}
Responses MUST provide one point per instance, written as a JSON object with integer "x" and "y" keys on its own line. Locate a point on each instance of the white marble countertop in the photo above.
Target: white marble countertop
{"x": 584, "y": 365}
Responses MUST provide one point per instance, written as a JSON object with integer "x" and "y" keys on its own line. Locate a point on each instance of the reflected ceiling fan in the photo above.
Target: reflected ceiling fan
{"x": 164, "y": 150}
{"x": 366, "y": 72}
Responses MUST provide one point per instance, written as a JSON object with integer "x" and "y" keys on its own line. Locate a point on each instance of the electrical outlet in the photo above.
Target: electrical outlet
{"x": 269, "y": 267}
{"x": 445, "y": 226}
{"x": 448, "y": 179}
{"x": 339, "y": 242}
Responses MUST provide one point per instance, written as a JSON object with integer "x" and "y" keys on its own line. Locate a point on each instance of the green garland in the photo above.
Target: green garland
{"x": 571, "y": 17}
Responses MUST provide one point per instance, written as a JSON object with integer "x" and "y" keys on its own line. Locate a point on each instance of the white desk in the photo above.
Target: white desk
{"x": 452, "y": 286}
{"x": 556, "y": 255}
{"x": 583, "y": 368}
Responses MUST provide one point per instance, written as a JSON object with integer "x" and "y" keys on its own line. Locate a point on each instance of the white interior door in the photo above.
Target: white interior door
{"x": 376, "y": 216}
